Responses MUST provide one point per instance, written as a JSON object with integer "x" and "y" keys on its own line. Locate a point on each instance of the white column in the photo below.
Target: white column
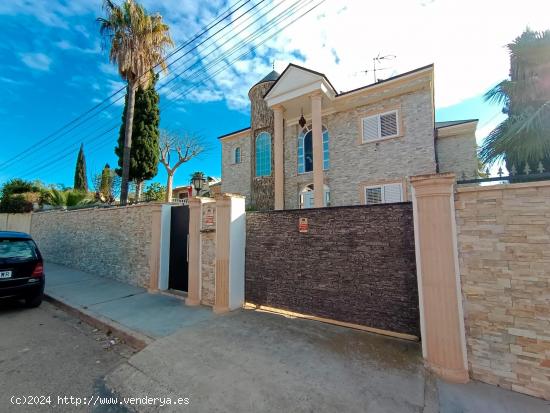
{"x": 317, "y": 132}
{"x": 278, "y": 157}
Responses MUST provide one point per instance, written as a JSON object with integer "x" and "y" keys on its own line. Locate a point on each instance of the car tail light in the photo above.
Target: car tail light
{"x": 38, "y": 270}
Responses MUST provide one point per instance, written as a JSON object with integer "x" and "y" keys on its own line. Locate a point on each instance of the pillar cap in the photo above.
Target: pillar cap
{"x": 433, "y": 184}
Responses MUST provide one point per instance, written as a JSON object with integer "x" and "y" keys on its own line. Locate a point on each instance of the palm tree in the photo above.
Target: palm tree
{"x": 523, "y": 139}
{"x": 138, "y": 43}
{"x": 67, "y": 198}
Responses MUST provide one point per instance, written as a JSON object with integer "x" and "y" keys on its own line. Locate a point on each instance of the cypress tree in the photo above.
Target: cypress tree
{"x": 106, "y": 181}
{"x": 144, "y": 155}
{"x": 80, "y": 178}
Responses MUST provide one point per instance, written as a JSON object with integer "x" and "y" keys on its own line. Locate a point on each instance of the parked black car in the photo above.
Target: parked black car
{"x": 21, "y": 268}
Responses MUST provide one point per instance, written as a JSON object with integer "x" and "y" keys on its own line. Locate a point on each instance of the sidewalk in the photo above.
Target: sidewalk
{"x": 121, "y": 306}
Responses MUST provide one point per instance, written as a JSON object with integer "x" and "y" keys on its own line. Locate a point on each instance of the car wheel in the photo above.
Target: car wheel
{"x": 34, "y": 301}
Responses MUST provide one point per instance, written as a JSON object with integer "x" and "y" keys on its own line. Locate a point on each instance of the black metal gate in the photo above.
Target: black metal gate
{"x": 179, "y": 231}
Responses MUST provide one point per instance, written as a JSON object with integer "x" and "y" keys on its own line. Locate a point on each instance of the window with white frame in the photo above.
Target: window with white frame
{"x": 380, "y": 126}
{"x": 237, "y": 155}
{"x": 384, "y": 194}
{"x": 305, "y": 150}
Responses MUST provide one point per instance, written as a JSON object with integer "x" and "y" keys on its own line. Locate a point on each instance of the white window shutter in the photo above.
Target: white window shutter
{"x": 388, "y": 124}
{"x": 370, "y": 128}
{"x": 393, "y": 193}
{"x": 373, "y": 195}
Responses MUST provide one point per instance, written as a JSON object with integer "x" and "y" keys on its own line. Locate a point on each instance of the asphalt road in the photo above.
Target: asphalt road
{"x": 47, "y": 352}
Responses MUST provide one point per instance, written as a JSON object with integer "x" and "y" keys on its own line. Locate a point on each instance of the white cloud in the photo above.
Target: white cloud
{"x": 68, "y": 46}
{"x": 465, "y": 40}
{"x": 51, "y": 13}
{"x": 108, "y": 69}
{"x": 38, "y": 61}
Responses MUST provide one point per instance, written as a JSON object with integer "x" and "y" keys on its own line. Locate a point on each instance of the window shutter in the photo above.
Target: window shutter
{"x": 373, "y": 195}
{"x": 393, "y": 193}
{"x": 388, "y": 124}
{"x": 370, "y": 128}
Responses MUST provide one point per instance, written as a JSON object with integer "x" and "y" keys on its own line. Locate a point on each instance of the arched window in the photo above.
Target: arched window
{"x": 305, "y": 150}
{"x": 263, "y": 154}
{"x": 237, "y": 155}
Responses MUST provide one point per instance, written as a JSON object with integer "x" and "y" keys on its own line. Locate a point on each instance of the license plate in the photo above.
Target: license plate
{"x": 5, "y": 274}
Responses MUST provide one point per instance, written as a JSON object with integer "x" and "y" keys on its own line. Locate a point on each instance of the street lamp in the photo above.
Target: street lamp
{"x": 197, "y": 182}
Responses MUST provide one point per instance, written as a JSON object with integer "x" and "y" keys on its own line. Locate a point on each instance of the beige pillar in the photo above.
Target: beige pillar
{"x": 223, "y": 220}
{"x": 194, "y": 246}
{"x": 279, "y": 157}
{"x": 439, "y": 290}
{"x": 317, "y": 132}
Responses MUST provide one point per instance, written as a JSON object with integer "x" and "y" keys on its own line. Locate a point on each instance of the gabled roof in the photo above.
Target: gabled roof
{"x": 439, "y": 125}
{"x": 387, "y": 80}
{"x": 233, "y": 133}
{"x": 291, "y": 65}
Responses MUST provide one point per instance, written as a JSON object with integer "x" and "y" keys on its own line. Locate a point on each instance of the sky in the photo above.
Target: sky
{"x": 54, "y": 67}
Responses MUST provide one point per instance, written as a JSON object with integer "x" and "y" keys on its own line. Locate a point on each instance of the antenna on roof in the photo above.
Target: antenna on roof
{"x": 378, "y": 59}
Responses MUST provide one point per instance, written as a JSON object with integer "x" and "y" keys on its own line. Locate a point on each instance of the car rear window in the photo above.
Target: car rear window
{"x": 17, "y": 250}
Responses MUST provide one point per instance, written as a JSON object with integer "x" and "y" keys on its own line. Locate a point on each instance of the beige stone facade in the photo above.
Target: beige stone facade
{"x": 208, "y": 253}
{"x": 236, "y": 176}
{"x": 353, "y": 164}
{"x": 456, "y": 150}
{"x": 119, "y": 243}
{"x": 504, "y": 257}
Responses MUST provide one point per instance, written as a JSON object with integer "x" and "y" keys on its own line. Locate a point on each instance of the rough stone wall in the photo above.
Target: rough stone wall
{"x": 458, "y": 154}
{"x": 504, "y": 256}
{"x": 110, "y": 242}
{"x": 353, "y": 163}
{"x": 356, "y": 264}
{"x": 236, "y": 177}
{"x": 208, "y": 254}
{"x": 261, "y": 120}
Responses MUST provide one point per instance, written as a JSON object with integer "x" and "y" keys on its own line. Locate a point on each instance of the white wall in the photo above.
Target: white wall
{"x": 237, "y": 243}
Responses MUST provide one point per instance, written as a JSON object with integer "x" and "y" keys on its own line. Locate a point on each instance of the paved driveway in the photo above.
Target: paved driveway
{"x": 258, "y": 362}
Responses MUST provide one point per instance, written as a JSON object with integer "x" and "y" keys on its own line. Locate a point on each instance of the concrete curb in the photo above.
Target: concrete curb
{"x": 133, "y": 338}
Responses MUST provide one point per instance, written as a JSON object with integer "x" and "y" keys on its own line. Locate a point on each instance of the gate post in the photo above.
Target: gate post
{"x": 439, "y": 288}
{"x": 230, "y": 245}
{"x": 194, "y": 247}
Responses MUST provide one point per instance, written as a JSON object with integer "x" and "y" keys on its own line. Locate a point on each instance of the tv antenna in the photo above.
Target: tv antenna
{"x": 378, "y": 59}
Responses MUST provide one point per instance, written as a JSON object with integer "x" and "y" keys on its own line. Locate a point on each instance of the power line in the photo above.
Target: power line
{"x": 213, "y": 44}
{"x": 234, "y": 49}
{"x": 195, "y": 47}
{"x": 36, "y": 146}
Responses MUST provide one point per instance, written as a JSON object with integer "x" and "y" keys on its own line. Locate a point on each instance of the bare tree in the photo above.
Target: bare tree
{"x": 184, "y": 146}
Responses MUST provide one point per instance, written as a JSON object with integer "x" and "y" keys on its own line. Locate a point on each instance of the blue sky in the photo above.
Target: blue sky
{"x": 53, "y": 68}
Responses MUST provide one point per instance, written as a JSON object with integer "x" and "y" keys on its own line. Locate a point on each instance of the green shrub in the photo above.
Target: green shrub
{"x": 15, "y": 204}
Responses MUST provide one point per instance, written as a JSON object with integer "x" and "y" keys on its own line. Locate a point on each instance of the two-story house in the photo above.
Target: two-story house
{"x": 359, "y": 146}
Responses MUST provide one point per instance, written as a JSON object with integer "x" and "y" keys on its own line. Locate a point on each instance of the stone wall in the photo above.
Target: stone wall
{"x": 208, "y": 253}
{"x": 353, "y": 164}
{"x": 504, "y": 256}
{"x": 236, "y": 177}
{"x": 110, "y": 242}
{"x": 458, "y": 154}
{"x": 261, "y": 120}
{"x": 355, "y": 264}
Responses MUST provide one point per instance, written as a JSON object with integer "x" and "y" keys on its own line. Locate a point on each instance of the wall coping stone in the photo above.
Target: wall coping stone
{"x": 501, "y": 187}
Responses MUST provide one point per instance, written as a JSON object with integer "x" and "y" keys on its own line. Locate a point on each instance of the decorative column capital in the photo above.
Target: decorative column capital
{"x": 278, "y": 108}
{"x": 316, "y": 95}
